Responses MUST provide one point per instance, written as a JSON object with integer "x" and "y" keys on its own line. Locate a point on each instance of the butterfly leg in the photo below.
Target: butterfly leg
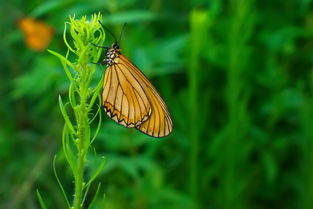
{"x": 104, "y": 47}
{"x": 103, "y": 62}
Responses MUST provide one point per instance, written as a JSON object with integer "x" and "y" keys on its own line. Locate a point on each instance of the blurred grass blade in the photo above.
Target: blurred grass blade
{"x": 59, "y": 182}
{"x": 235, "y": 143}
{"x": 46, "y": 7}
{"x": 41, "y": 202}
{"x": 199, "y": 28}
{"x": 131, "y": 16}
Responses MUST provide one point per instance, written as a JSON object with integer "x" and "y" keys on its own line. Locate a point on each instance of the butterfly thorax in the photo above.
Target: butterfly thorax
{"x": 111, "y": 54}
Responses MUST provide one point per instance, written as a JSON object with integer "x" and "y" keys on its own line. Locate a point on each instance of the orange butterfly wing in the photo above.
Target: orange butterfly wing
{"x": 123, "y": 99}
{"x": 158, "y": 122}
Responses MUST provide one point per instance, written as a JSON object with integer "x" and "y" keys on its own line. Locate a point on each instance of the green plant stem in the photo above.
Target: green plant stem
{"x": 82, "y": 139}
{"x": 79, "y": 182}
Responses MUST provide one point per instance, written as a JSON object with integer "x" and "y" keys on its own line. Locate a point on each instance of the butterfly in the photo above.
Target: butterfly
{"x": 37, "y": 34}
{"x": 128, "y": 96}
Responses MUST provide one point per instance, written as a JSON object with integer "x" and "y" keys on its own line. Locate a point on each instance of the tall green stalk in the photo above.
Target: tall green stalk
{"x": 236, "y": 145}
{"x": 306, "y": 114}
{"x": 77, "y": 137}
{"x": 199, "y": 27}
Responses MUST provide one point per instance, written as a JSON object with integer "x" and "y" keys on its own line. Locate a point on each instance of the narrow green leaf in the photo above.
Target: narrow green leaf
{"x": 85, "y": 194}
{"x": 71, "y": 94}
{"x": 62, "y": 58}
{"x": 59, "y": 182}
{"x": 91, "y": 72}
{"x": 68, "y": 151}
{"x": 77, "y": 39}
{"x": 96, "y": 93}
{"x": 65, "y": 116}
{"x": 41, "y": 202}
{"x": 99, "y": 124}
{"x": 64, "y": 61}
{"x": 87, "y": 133}
{"x": 94, "y": 117}
{"x": 72, "y": 98}
{"x": 98, "y": 171}
{"x": 95, "y": 197}
{"x": 65, "y": 40}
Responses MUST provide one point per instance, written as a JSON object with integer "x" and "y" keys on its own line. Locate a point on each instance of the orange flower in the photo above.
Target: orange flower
{"x": 37, "y": 34}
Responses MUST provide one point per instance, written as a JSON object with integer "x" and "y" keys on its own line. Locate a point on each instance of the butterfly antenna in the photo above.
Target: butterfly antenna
{"x": 122, "y": 32}
{"x": 107, "y": 29}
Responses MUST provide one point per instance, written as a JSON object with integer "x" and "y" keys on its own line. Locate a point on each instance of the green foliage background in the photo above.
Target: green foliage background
{"x": 236, "y": 75}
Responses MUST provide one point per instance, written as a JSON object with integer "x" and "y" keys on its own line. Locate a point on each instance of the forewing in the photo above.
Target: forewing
{"x": 123, "y": 98}
{"x": 159, "y": 123}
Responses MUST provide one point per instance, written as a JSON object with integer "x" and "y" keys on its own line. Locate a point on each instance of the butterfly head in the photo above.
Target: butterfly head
{"x": 115, "y": 49}
{"x": 115, "y": 46}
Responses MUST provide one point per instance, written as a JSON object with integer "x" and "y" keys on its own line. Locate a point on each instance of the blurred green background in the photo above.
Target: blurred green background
{"x": 236, "y": 76}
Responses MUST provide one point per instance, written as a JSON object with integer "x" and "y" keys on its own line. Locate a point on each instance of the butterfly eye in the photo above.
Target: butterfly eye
{"x": 115, "y": 46}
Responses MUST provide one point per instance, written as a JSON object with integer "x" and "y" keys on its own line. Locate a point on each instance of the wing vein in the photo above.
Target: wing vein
{"x": 136, "y": 89}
